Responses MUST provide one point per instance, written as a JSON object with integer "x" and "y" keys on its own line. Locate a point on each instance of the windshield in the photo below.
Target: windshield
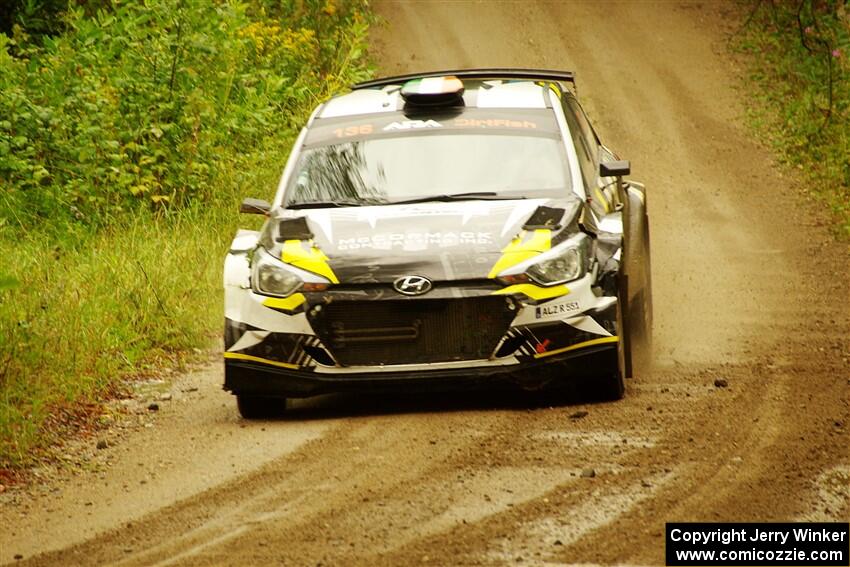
{"x": 385, "y": 170}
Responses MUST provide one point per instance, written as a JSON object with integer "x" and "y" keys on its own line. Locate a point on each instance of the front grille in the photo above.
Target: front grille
{"x": 411, "y": 331}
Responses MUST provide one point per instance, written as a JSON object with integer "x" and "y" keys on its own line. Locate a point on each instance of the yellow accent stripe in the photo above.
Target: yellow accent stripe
{"x": 307, "y": 257}
{"x": 522, "y": 248}
{"x": 605, "y": 202}
{"x": 533, "y": 291}
{"x": 592, "y": 342}
{"x": 240, "y": 356}
{"x": 285, "y": 303}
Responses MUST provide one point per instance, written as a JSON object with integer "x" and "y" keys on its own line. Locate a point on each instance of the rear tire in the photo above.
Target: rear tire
{"x": 259, "y": 407}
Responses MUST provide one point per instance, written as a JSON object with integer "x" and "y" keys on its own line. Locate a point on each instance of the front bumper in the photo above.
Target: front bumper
{"x": 299, "y": 346}
{"x": 247, "y": 377}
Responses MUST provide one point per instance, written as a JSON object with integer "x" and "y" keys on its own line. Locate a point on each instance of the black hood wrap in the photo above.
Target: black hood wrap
{"x": 442, "y": 241}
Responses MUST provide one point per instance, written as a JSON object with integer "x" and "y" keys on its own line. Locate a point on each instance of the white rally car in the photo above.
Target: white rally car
{"x": 441, "y": 231}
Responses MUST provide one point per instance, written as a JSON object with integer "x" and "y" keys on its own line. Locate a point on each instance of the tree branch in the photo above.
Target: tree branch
{"x": 800, "y": 26}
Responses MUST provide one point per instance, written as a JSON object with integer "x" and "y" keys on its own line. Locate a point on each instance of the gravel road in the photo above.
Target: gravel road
{"x": 750, "y": 289}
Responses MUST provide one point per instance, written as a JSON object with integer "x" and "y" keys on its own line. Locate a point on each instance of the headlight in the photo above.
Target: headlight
{"x": 567, "y": 261}
{"x": 568, "y": 266}
{"x": 271, "y": 277}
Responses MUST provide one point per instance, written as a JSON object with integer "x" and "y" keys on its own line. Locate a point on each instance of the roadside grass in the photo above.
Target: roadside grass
{"x": 89, "y": 309}
{"x": 135, "y": 286}
{"x": 798, "y": 58}
{"x": 87, "y": 312}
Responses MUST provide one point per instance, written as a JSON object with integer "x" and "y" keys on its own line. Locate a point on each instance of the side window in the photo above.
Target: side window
{"x": 586, "y": 131}
{"x": 586, "y": 157}
{"x": 588, "y": 152}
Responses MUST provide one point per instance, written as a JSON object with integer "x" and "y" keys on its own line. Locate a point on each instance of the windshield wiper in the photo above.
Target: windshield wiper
{"x": 329, "y": 204}
{"x": 474, "y": 195}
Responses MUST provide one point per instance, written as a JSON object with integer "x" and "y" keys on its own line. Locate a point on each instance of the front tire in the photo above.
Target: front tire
{"x": 640, "y": 311}
{"x": 260, "y": 407}
{"x": 611, "y": 386}
{"x": 638, "y": 297}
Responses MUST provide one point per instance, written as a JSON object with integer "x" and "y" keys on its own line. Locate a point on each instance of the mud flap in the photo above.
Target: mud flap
{"x": 624, "y": 332}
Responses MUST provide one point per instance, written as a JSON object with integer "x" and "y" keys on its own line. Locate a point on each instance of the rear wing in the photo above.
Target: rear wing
{"x": 486, "y": 73}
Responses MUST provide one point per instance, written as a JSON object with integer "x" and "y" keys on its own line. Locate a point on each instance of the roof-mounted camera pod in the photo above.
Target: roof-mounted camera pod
{"x": 433, "y": 91}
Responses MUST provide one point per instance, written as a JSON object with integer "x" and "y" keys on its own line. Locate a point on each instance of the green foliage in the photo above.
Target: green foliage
{"x": 36, "y": 17}
{"x": 142, "y": 104}
{"x": 801, "y": 66}
{"x": 126, "y": 144}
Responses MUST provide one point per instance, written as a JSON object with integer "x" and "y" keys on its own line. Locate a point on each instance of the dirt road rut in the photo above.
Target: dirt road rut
{"x": 748, "y": 289}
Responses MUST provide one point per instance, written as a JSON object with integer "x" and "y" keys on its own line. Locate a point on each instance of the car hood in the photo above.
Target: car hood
{"x": 441, "y": 241}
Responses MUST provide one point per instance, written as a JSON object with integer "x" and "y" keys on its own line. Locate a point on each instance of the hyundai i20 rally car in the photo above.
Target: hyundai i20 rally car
{"x": 441, "y": 231}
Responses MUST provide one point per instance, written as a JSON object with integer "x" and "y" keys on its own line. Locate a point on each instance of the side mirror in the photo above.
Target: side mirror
{"x": 255, "y": 207}
{"x": 615, "y": 168}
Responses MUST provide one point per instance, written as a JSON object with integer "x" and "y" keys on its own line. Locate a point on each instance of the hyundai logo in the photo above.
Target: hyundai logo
{"x": 412, "y": 285}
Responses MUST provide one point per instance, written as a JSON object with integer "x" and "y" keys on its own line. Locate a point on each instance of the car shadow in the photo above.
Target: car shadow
{"x": 331, "y": 406}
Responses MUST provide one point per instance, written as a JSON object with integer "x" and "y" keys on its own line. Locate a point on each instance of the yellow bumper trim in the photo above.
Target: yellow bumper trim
{"x": 285, "y": 303}
{"x": 592, "y": 342}
{"x": 533, "y": 291}
{"x": 248, "y": 357}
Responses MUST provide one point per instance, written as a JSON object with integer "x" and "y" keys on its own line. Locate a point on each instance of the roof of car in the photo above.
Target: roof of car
{"x": 483, "y": 88}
